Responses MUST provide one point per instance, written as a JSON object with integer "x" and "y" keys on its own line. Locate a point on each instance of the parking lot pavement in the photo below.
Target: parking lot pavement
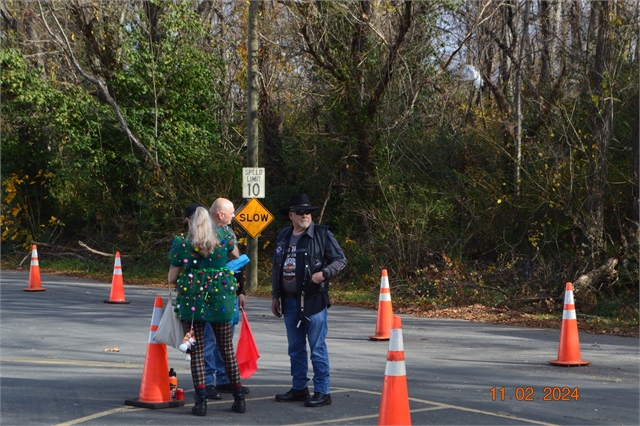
{"x": 58, "y": 367}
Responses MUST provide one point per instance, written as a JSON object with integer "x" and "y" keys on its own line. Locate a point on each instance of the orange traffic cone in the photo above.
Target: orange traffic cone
{"x": 394, "y": 405}
{"x": 34, "y": 273}
{"x": 117, "y": 285}
{"x": 155, "y": 390}
{"x": 569, "y": 348}
{"x": 385, "y": 311}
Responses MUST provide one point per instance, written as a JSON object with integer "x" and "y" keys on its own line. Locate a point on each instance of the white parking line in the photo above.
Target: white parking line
{"x": 98, "y": 415}
{"x": 70, "y": 362}
{"x": 436, "y": 405}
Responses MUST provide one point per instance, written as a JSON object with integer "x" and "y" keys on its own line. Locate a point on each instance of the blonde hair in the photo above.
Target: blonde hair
{"x": 202, "y": 233}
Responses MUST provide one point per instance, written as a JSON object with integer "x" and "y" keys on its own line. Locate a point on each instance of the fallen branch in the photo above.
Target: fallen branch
{"x": 598, "y": 276}
{"x": 588, "y": 316}
{"x": 86, "y": 247}
{"x": 54, "y": 246}
{"x": 24, "y": 258}
{"x": 526, "y": 300}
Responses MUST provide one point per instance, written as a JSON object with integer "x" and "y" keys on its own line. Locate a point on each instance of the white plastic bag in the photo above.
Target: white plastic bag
{"x": 170, "y": 331}
{"x": 469, "y": 73}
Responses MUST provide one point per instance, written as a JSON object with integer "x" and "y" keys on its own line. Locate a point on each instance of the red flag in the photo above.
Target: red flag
{"x": 247, "y": 352}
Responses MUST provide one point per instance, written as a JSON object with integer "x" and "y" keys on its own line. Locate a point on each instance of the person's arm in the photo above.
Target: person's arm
{"x": 240, "y": 280}
{"x": 336, "y": 260}
{"x": 174, "y": 273}
{"x": 174, "y": 258}
{"x": 275, "y": 290}
{"x": 276, "y": 309}
{"x": 231, "y": 241}
{"x": 234, "y": 254}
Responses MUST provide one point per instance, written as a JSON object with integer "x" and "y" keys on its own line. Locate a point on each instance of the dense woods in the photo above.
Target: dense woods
{"x": 481, "y": 151}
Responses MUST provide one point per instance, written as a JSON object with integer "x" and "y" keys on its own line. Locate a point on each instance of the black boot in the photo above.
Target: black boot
{"x": 238, "y": 400}
{"x": 200, "y": 406}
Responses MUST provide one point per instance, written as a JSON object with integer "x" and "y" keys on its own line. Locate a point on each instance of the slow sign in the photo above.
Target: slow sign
{"x": 253, "y": 217}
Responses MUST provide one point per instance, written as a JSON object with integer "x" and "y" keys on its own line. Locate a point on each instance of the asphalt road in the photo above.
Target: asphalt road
{"x": 54, "y": 369}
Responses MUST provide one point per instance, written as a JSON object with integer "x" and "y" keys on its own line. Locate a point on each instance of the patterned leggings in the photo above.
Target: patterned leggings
{"x": 224, "y": 342}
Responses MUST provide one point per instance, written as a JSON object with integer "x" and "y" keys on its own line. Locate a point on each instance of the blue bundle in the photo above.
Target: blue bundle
{"x": 236, "y": 264}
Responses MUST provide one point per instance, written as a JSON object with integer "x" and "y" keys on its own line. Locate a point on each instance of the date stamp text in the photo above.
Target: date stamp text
{"x": 528, "y": 393}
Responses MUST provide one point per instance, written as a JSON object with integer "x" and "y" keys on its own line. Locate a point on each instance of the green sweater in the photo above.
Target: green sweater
{"x": 206, "y": 289}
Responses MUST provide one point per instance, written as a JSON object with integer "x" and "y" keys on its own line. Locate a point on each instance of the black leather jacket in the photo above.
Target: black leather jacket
{"x": 317, "y": 250}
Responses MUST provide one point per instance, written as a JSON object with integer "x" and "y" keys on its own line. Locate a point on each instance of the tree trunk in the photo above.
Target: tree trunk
{"x": 635, "y": 176}
{"x": 601, "y": 129}
{"x": 62, "y": 41}
{"x": 362, "y": 88}
{"x": 271, "y": 118}
{"x": 635, "y": 148}
{"x": 272, "y": 121}
{"x": 518, "y": 98}
{"x": 544, "y": 77}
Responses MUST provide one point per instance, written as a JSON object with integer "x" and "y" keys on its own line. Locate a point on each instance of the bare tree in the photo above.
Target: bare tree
{"x": 271, "y": 115}
{"x": 601, "y": 79}
{"x": 60, "y": 38}
{"x": 340, "y": 38}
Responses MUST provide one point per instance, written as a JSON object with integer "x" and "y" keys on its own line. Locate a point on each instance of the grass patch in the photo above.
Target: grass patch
{"x": 135, "y": 271}
{"x": 614, "y": 317}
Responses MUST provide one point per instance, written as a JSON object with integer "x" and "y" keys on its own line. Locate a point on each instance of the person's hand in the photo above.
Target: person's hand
{"x": 275, "y": 307}
{"x": 241, "y": 301}
{"x": 317, "y": 277}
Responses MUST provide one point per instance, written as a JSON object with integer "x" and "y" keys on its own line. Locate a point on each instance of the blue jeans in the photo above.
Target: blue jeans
{"x": 314, "y": 330}
{"x": 215, "y": 374}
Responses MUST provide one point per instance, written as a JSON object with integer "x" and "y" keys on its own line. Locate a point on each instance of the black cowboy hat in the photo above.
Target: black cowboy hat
{"x": 298, "y": 202}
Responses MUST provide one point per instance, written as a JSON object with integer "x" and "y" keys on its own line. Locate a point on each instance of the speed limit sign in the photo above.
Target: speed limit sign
{"x": 253, "y": 182}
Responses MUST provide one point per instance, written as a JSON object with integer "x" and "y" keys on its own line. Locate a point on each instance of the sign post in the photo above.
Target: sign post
{"x": 253, "y": 44}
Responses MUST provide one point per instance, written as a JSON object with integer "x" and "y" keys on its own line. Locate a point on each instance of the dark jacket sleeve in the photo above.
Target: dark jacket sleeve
{"x": 334, "y": 256}
{"x": 276, "y": 261}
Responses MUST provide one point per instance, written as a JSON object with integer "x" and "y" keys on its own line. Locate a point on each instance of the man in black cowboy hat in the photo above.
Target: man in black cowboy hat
{"x": 305, "y": 258}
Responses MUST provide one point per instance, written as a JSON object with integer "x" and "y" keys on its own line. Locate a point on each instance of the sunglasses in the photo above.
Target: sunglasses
{"x": 301, "y": 212}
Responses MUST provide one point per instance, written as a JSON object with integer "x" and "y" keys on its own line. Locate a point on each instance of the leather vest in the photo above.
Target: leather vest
{"x": 311, "y": 297}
